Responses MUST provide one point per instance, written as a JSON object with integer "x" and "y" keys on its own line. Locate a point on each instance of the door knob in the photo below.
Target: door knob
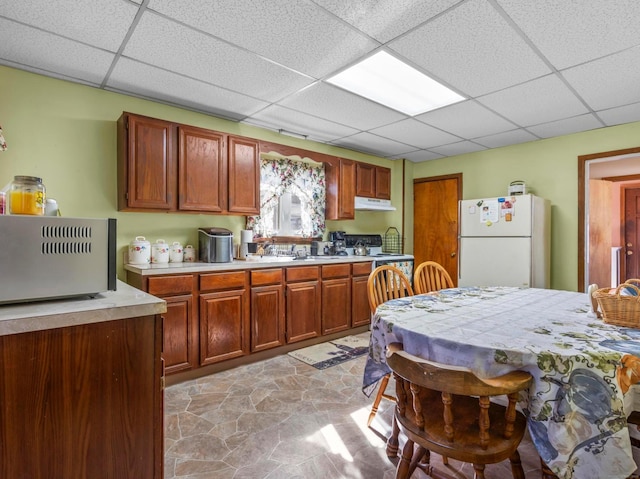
{"x": 629, "y": 253}
{"x": 629, "y": 245}
{"x": 453, "y": 255}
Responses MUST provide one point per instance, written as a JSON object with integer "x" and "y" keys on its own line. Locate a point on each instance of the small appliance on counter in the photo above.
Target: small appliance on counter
{"x": 47, "y": 257}
{"x": 338, "y": 240}
{"x": 246, "y": 237}
{"x": 216, "y": 245}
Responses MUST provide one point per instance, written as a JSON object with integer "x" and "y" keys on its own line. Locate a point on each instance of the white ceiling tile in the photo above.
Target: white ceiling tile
{"x": 277, "y": 117}
{"x": 29, "y": 46}
{"x": 373, "y": 144}
{"x": 297, "y": 34}
{"x": 102, "y": 24}
{"x": 176, "y": 89}
{"x": 457, "y": 148}
{"x": 570, "y": 33}
{"x": 373, "y": 16}
{"x": 622, "y": 114}
{"x": 415, "y": 133}
{"x": 169, "y": 45}
{"x": 421, "y": 155}
{"x": 608, "y": 82}
{"x": 467, "y": 119}
{"x": 566, "y": 126}
{"x": 506, "y": 138}
{"x": 473, "y": 49}
{"x": 335, "y": 104}
{"x": 538, "y": 101}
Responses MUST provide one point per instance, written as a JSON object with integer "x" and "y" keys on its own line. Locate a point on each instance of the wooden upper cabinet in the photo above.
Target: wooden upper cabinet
{"x": 341, "y": 189}
{"x": 146, "y": 163}
{"x": 373, "y": 181}
{"x": 201, "y": 170}
{"x": 244, "y": 176}
{"x": 365, "y": 180}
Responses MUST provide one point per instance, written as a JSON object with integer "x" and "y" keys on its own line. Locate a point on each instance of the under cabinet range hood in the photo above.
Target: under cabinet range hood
{"x": 373, "y": 204}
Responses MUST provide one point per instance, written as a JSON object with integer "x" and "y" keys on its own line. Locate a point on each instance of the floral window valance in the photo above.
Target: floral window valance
{"x": 3, "y": 143}
{"x": 306, "y": 181}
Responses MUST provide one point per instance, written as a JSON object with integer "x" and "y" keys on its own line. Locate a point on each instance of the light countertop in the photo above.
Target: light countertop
{"x": 125, "y": 302}
{"x": 235, "y": 265}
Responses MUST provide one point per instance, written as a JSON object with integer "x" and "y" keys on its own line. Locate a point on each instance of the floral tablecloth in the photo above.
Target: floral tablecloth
{"x": 583, "y": 369}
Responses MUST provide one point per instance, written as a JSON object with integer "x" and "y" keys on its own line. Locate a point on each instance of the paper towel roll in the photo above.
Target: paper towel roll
{"x": 246, "y": 236}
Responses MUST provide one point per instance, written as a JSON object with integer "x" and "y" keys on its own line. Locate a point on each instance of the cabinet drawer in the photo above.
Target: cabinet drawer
{"x": 362, "y": 269}
{"x": 219, "y": 281}
{"x": 306, "y": 273}
{"x": 163, "y": 285}
{"x": 336, "y": 270}
{"x": 266, "y": 276}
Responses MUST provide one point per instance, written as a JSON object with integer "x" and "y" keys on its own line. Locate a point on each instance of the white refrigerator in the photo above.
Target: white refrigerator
{"x": 505, "y": 241}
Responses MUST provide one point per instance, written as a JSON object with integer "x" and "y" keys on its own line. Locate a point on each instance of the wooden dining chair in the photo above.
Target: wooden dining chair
{"x": 447, "y": 410}
{"x": 431, "y": 276}
{"x": 385, "y": 282}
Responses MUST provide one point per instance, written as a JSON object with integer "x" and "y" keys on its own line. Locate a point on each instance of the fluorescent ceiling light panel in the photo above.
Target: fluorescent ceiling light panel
{"x": 385, "y": 79}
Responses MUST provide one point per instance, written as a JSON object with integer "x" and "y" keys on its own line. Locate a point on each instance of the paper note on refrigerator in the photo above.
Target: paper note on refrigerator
{"x": 489, "y": 211}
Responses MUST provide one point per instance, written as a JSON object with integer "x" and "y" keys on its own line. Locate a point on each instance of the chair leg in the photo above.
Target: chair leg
{"x": 421, "y": 458}
{"x": 402, "y": 472}
{"x": 547, "y": 473}
{"x": 479, "y": 471}
{"x": 392, "y": 442}
{"x": 516, "y": 466}
{"x": 376, "y": 402}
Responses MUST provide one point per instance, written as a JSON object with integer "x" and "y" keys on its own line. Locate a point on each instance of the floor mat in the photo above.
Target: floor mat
{"x": 332, "y": 353}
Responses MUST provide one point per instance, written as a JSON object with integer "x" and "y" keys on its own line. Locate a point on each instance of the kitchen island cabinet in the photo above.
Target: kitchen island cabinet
{"x": 81, "y": 388}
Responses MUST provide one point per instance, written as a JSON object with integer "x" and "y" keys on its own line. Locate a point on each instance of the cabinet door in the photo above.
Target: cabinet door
{"x": 347, "y": 190}
{"x": 202, "y": 178}
{"x": 360, "y": 311}
{"x": 224, "y": 325}
{"x": 267, "y": 317}
{"x": 336, "y": 305}
{"x": 303, "y": 311}
{"x": 383, "y": 183}
{"x": 146, "y": 164}
{"x": 244, "y": 176}
{"x": 365, "y": 180}
{"x": 178, "y": 329}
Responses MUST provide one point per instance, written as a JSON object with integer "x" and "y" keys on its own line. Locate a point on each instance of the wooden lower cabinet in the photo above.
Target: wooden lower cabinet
{"x": 267, "y": 309}
{"x": 360, "y": 311}
{"x": 303, "y": 303}
{"x": 83, "y": 402}
{"x": 224, "y": 317}
{"x": 336, "y": 298}
{"x": 178, "y": 351}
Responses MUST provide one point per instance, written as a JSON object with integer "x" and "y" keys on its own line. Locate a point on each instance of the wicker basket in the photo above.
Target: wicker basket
{"x": 618, "y": 309}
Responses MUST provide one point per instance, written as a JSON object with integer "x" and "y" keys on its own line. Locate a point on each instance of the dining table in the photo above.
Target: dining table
{"x": 585, "y": 371}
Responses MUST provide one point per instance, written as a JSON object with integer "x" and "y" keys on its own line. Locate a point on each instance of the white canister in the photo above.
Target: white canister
{"x": 189, "y": 254}
{"x": 176, "y": 253}
{"x": 139, "y": 251}
{"x": 160, "y": 252}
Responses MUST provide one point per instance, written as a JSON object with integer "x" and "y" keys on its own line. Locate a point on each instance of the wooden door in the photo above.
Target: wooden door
{"x": 303, "y": 310}
{"x": 267, "y": 317}
{"x": 365, "y": 180}
{"x": 178, "y": 323}
{"x": 347, "y": 190}
{"x": 383, "y": 183}
{"x": 631, "y": 248}
{"x": 600, "y": 233}
{"x": 202, "y": 178}
{"x": 244, "y": 176}
{"x": 435, "y": 221}
{"x": 336, "y": 305}
{"x": 148, "y": 179}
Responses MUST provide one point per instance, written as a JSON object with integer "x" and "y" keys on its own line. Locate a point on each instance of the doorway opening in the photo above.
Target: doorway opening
{"x": 608, "y": 192}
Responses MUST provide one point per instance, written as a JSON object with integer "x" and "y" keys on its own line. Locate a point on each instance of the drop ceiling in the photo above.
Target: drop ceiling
{"x": 527, "y": 69}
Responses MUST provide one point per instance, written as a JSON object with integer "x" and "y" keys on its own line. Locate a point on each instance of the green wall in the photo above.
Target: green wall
{"x": 550, "y": 168}
{"x": 66, "y": 133}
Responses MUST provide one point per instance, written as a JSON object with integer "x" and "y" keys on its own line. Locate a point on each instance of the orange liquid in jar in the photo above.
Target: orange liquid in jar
{"x": 27, "y": 203}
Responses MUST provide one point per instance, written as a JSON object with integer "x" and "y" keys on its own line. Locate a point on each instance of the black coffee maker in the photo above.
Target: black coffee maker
{"x": 338, "y": 240}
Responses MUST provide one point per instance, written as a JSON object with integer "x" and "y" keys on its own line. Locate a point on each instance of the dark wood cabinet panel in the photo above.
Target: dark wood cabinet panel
{"x": 179, "y": 346}
{"x": 146, "y": 164}
{"x": 224, "y": 325}
{"x": 83, "y": 402}
{"x": 360, "y": 311}
{"x": 365, "y": 180}
{"x": 347, "y": 194}
{"x": 202, "y": 178}
{"x": 267, "y": 317}
{"x": 244, "y": 176}
{"x": 383, "y": 183}
{"x": 303, "y": 310}
{"x": 336, "y": 305}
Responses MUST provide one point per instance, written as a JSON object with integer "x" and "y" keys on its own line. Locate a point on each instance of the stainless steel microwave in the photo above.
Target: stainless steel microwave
{"x": 47, "y": 257}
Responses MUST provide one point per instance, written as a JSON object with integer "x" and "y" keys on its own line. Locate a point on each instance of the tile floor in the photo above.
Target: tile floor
{"x": 281, "y": 418}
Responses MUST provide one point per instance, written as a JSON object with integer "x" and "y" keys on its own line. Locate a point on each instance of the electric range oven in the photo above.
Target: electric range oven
{"x": 404, "y": 262}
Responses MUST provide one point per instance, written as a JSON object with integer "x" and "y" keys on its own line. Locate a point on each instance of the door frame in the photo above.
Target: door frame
{"x": 582, "y": 207}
